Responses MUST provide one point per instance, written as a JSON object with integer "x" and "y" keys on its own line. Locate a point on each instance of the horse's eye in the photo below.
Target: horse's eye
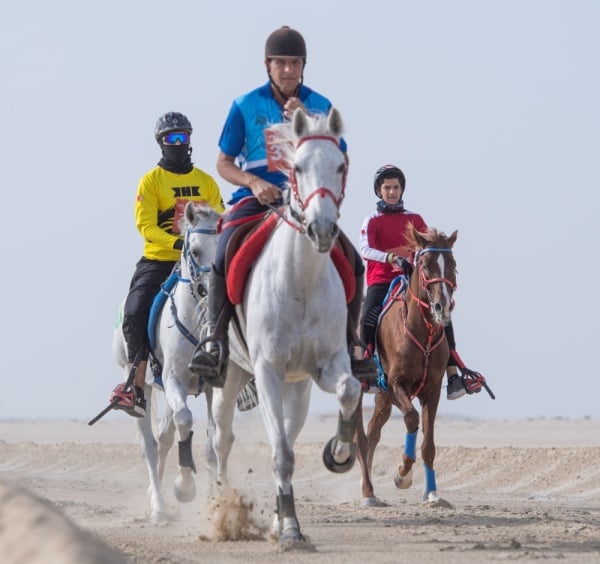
{"x": 341, "y": 169}
{"x": 297, "y": 169}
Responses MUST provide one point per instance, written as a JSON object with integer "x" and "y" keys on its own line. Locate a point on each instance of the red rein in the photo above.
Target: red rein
{"x": 433, "y": 340}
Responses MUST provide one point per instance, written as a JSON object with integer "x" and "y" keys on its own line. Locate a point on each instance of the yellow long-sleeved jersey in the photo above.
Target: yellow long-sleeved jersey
{"x": 159, "y": 194}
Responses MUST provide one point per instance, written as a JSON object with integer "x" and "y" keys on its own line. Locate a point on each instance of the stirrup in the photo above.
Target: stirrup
{"x": 124, "y": 397}
{"x": 472, "y": 381}
{"x": 210, "y": 365}
{"x": 364, "y": 369}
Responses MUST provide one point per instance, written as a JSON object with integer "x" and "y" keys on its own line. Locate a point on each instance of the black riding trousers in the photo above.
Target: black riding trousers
{"x": 145, "y": 284}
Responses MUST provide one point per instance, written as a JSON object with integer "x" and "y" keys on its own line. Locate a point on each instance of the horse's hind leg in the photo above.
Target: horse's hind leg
{"x": 166, "y": 438}
{"x": 296, "y": 399}
{"x": 221, "y": 437}
{"x": 158, "y": 507}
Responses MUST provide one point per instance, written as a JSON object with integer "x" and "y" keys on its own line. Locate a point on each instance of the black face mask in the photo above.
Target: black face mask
{"x": 176, "y": 158}
{"x": 387, "y": 208}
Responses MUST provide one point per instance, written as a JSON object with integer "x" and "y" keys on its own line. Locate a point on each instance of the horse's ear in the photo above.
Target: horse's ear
{"x": 420, "y": 241}
{"x": 189, "y": 212}
{"x": 335, "y": 123}
{"x": 452, "y": 238}
{"x": 299, "y": 123}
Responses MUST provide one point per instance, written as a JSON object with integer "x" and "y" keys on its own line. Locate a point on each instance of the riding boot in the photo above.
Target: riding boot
{"x": 209, "y": 360}
{"x": 362, "y": 368}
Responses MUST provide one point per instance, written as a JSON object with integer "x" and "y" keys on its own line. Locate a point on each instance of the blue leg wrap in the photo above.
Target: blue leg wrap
{"x": 381, "y": 379}
{"x": 429, "y": 481}
{"x": 410, "y": 446}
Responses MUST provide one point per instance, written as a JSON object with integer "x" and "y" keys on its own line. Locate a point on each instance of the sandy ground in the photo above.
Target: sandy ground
{"x": 526, "y": 491}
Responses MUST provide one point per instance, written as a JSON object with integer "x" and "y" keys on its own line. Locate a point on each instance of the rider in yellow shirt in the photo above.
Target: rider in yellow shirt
{"x": 161, "y": 196}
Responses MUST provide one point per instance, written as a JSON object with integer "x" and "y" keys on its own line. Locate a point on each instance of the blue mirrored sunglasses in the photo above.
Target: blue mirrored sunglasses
{"x": 176, "y": 136}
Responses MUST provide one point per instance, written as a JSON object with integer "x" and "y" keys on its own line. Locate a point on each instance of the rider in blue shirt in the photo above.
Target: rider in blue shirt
{"x": 243, "y": 162}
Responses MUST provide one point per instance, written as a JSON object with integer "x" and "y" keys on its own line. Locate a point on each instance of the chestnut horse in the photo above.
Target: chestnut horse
{"x": 413, "y": 351}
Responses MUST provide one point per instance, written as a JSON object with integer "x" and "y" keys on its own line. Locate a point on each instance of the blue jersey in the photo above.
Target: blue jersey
{"x": 243, "y": 135}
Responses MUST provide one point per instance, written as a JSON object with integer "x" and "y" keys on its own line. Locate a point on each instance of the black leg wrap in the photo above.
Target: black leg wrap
{"x": 285, "y": 505}
{"x": 345, "y": 429}
{"x": 185, "y": 453}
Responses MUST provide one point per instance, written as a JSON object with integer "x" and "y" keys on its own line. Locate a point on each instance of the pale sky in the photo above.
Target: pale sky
{"x": 490, "y": 108}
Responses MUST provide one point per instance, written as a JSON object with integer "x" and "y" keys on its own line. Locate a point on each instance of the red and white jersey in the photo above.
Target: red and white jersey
{"x": 380, "y": 234}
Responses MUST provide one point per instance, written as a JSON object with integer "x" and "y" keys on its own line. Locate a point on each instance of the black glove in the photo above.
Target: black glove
{"x": 178, "y": 245}
{"x": 407, "y": 267}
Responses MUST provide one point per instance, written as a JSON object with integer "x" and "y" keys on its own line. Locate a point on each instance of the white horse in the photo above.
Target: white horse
{"x": 293, "y": 319}
{"x": 178, "y": 329}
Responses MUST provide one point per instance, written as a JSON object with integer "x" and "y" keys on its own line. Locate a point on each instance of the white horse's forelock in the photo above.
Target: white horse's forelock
{"x": 285, "y": 138}
{"x": 201, "y": 210}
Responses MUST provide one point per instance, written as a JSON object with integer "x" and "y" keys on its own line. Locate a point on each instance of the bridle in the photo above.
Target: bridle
{"x": 196, "y": 270}
{"x": 435, "y": 332}
{"x": 426, "y": 282}
{"x": 321, "y": 191}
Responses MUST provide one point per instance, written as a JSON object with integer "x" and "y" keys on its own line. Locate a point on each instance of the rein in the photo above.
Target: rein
{"x": 435, "y": 333}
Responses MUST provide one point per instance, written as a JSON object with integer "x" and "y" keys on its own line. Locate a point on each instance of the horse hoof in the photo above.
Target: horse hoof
{"x": 185, "y": 496}
{"x": 372, "y": 502}
{"x": 291, "y": 535}
{"x": 293, "y": 539}
{"x": 159, "y": 518}
{"x": 403, "y": 482}
{"x": 330, "y": 462}
{"x": 433, "y": 500}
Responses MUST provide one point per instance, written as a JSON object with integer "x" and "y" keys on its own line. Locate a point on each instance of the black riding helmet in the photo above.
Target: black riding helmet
{"x": 171, "y": 121}
{"x": 285, "y": 42}
{"x": 387, "y": 171}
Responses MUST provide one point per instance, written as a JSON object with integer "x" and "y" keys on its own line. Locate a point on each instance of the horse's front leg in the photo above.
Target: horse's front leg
{"x": 158, "y": 507}
{"x": 269, "y": 384}
{"x": 428, "y": 412}
{"x": 176, "y": 394}
{"x": 404, "y": 472}
{"x": 339, "y": 454}
{"x": 381, "y": 414}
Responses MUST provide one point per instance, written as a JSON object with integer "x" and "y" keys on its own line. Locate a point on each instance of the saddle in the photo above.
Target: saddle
{"x": 247, "y": 242}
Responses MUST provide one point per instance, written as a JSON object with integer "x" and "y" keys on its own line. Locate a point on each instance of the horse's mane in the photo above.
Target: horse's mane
{"x": 284, "y": 137}
{"x": 432, "y": 235}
